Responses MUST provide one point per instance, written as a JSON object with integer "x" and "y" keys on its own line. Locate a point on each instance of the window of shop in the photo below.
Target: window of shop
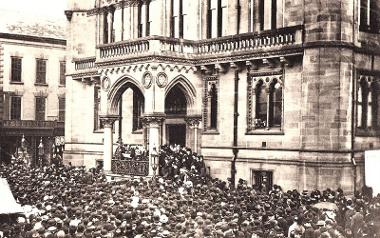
{"x": 15, "y": 108}
{"x": 40, "y": 108}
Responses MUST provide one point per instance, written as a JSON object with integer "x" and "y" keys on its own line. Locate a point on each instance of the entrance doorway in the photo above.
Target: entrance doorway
{"x": 177, "y": 134}
{"x": 262, "y": 180}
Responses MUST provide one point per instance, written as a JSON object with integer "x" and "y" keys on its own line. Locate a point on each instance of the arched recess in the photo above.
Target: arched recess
{"x": 117, "y": 90}
{"x": 189, "y": 91}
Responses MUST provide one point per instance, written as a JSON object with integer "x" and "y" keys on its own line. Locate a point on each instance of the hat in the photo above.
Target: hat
{"x": 321, "y": 223}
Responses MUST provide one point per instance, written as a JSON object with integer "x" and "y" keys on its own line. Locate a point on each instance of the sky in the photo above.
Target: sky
{"x": 42, "y": 8}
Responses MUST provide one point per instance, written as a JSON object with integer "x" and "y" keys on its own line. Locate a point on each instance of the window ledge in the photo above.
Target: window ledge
{"x": 62, "y": 85}
{"x": 41, "y": 84}
{"x": 211, "y": 132}
{"x": 264, "y": 131}
{"x": 98, "y": 131}
{"x": 368, "y": 29}
{"x": 14, "y": 82}
{"x": 139, "y": 131}
{"x": 368, "y": 132}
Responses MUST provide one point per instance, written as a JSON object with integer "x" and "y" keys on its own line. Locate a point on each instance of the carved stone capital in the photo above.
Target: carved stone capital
{"x": 108, "y": 120}
{"x": 193, "y": 121}
{"x": 154, "y": 119}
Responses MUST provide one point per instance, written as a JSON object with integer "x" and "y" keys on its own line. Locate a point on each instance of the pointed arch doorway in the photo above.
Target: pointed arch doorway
{"x": 176, "y": 111}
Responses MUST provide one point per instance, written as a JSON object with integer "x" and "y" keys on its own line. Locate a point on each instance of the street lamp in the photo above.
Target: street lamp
{"x": 23, "y": 147}
{"x": 40, "y": 152}
{"x": 154, "y": 156}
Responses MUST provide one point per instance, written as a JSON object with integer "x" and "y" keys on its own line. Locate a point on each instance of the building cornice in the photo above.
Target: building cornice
{"x": 29, "y": 38}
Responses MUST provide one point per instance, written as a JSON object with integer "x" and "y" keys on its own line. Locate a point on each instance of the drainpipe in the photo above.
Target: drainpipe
{"x": 353, "y": 102}
{"x": 235, "y": 149}
{"x": 238, "y": 10}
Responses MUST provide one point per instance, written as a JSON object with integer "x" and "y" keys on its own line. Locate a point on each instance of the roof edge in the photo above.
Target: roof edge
{"x": 39, "y": 39}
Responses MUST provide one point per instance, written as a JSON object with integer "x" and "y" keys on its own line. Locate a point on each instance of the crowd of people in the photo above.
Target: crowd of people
{"x": 66, "y": 201}
{"x": 180, "y": 163}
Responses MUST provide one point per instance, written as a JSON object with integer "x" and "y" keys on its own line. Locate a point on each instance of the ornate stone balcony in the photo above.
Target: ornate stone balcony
{"x": 145, "y": 47}
{"x": 85, "y": 66}
{"x": 251, "y": 41}
{"x": 196, "y": 52}
{"x": 85, "y": 63}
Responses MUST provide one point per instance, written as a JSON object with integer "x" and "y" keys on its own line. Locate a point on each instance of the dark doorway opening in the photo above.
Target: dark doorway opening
{"x": 177, "y": 134}
{"x": 262, "y": 180}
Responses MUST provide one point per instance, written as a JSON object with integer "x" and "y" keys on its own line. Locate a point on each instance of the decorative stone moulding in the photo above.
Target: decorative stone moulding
{"x": 106, "y": 84}
{"x": 162, "y": 79}
{"x": 153, "y": 119}
{"x": 147, "y": 79}
{"x": 193, "y": 120}
{"x": 108, "y": 120}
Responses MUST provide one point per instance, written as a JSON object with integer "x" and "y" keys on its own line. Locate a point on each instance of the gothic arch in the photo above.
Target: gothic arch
{"x": 117, "y": 90}
{"x": 186, "y": 86}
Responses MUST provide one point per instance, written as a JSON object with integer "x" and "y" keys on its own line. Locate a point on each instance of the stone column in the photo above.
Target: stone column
{"x": 232, "y": 18}
{"x": 193, "y": 121}
{"x": 118, "y": 24}
{"x": 127, "y": 23}
{"x": 135, "y": 18}
{"x": 110, "y": 19}
{"x": 267, "y": 15}
{"x": 108, "y": 121}
{"x": 153, "y": 124}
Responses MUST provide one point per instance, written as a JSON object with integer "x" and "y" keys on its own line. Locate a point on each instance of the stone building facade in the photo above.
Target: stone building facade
{"x": 32, "y": 89}
{"x": 287, "y": 90}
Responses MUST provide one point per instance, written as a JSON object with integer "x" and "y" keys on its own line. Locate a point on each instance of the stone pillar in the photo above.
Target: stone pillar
{"x": 193, "y": 121}
{"x": 118, "y": 24}
{"x": 110, "y": 25}
{"x": 267, "y": 15}
{"x": 108, "y": 121}
{"x": 232, "y": 18}
{"x": 153, "y": 124}
{"x": 203, "y": 26}
{"x": 135, "y": 22}
{"x": 127, "y": 23}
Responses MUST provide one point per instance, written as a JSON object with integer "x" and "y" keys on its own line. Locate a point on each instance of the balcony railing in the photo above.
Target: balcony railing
{"x": 29, "y": 124}
{"x": 130, "y": 167}
{"x": 188, "y": 49}
{"x": 85, "y": 63}
{"x": 251, "y": 41}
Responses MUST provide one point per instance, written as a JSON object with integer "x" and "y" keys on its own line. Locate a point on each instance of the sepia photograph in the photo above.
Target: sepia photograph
{"x": 190, "y": 118}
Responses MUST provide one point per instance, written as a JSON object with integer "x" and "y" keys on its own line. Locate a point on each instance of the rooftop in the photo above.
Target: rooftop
{"x": 15, "y": 22}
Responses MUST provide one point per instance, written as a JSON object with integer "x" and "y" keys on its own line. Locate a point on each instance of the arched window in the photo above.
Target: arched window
{"x": 177, "y": 18}
{"x": 275, "y": 99}
{"x": 139, "y": 19}
{"x": 360, "y": 107}
{"x": 138, "y": 109}
{"x": 216, "y": 15}
{"x": 362, "y": 104}
{"x": 369, "y": 108}
{"x": 175, "y": 101}
{"x": 375, "y": 104}
{"x": 143, "y": 18}
{"x": 261, "y": 105}
{"x": 213, "y": 107}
